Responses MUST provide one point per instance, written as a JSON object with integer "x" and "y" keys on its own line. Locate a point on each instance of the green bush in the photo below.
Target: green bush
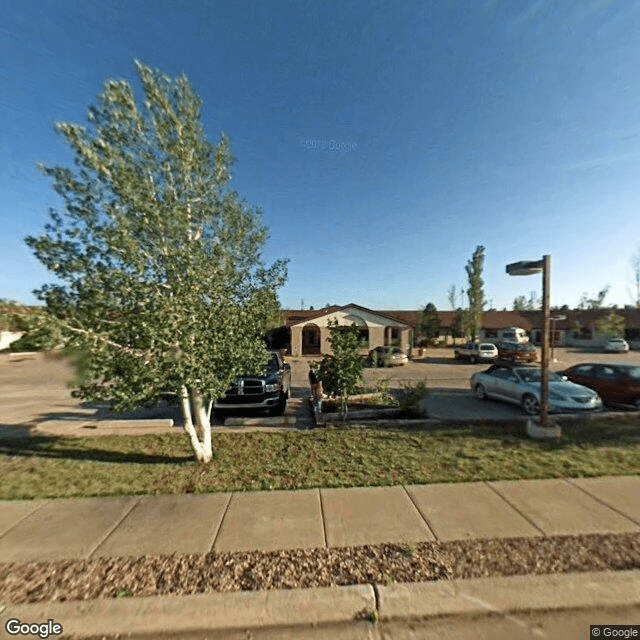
{"x": 411, "y": 397}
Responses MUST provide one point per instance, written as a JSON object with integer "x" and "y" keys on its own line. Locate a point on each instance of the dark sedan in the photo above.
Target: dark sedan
{"x": 614, "y": 383}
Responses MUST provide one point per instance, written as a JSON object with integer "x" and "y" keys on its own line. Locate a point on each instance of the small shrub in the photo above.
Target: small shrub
{"x": 411, "y": 398}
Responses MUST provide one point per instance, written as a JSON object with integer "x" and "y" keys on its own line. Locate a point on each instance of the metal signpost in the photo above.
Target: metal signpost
{"x": 529, "y": 268}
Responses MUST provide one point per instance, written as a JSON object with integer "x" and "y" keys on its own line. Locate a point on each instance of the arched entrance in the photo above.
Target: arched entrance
{"x": 310, "y": 340}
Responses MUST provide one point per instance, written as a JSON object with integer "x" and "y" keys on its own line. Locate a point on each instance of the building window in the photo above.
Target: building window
{"x": 585, "y": 333}
{"x": 490, "y": 333}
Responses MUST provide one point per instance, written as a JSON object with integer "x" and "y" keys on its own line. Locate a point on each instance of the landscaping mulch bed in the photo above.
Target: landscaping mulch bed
{"x": 381, "y": 564}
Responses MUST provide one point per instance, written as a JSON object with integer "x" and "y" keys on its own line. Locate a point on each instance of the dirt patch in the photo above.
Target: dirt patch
{"x": 381, "y": 564}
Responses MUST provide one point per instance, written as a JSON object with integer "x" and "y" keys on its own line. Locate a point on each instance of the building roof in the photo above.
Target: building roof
{"x": 491, "y": 319}
{"x": 296, "y": 316}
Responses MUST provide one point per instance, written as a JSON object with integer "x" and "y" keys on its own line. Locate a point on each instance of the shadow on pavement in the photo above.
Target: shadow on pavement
{"x": 438, "y": 360}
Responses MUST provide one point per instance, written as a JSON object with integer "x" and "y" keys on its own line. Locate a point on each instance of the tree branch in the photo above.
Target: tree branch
{"x": 104, "y": 340}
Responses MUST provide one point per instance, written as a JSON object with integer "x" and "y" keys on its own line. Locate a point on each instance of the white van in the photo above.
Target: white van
{"x": 514, "y": 334}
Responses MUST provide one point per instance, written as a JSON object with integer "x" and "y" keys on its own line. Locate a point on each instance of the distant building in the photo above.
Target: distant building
{"x": 306, "y": 331}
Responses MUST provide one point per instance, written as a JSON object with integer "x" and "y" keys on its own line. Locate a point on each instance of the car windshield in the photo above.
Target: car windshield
{"x": 535, "y": 375}
{"x": 486, "y": 347}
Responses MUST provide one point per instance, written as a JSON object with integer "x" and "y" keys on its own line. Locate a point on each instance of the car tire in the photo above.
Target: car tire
{"x": 479, "y": 391}
{"x": 530, "y": 404}
{"x": 279, "y": 409}
{"x": 636, "y": 404}
{"x": 472, "y": 359}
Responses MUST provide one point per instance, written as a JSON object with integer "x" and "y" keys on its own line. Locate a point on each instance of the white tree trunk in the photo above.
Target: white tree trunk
{"x": 197, "y": 446}
{"x": 202, "y": 420}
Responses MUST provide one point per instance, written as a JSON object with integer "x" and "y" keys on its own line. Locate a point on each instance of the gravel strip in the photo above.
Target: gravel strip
{"x": 189, "y": 573}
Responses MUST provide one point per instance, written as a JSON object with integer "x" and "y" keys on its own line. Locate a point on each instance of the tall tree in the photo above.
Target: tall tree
{"x": 593, "y": 303}
{"x": 163, "y": 282}
{"x": 457, "y": 325}
{"x": 521, "y": 303}
{"x": 452, "y": 296}
{"x": 475, "y": 291}
{"x": 429, "y": 326}
{"x": 635, "y": 269}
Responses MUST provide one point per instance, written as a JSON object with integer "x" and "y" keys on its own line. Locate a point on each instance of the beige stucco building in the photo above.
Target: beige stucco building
{"x": 310, "y": 329}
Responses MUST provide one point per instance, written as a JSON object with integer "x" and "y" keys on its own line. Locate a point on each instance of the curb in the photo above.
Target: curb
{"x": 332, "y": 607}
{"x": 152, "y": 617}
{"x": 503, "y": 595}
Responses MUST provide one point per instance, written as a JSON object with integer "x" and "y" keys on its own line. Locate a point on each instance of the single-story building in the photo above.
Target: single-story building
{"x": 579, "y": 326}
{"x": 306, "y": 330}
{"x": 309, "y": 329}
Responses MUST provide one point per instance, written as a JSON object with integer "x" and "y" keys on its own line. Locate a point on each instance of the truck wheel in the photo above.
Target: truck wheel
{"x": 279, "y": 409}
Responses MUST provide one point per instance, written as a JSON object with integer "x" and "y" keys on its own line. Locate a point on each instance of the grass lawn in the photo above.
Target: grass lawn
{"x": 163, "y": 464}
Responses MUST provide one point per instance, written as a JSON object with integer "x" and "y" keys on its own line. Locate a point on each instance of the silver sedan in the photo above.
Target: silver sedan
{"x": 522, "y": 386}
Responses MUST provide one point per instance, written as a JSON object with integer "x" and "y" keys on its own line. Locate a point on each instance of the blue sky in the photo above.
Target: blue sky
{"x": 383, "y": 140}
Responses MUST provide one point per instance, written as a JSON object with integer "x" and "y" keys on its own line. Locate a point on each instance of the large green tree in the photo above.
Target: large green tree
{"x": 521, "y": 303}
{"x": 611, "y": 326}
{"x": 475, "y": 291}
{"x": 429, "y": 327}
{"x": 161, "y": 279}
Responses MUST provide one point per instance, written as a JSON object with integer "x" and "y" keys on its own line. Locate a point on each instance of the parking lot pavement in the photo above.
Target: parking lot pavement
{"x": 450, "y": 396}
{"x": 34, "y": 390}
{"x": 461, "y": 404}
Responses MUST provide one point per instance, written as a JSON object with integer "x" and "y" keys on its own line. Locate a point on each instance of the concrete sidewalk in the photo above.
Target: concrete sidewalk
{"x": 510, "y": 608}
{"x": 130, "y": 526}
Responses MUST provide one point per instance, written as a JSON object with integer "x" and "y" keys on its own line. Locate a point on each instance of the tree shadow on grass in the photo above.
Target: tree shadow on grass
{"x": 55, "y": 448}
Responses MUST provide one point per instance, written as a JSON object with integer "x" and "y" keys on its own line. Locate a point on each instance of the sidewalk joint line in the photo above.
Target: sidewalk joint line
{"x": 224, "y": 515}
{"x": 136, "y": 502}
{"x": 602, "y": 502}
{"x": 417, "y": 508}
{"x": 322, "y": 517}
{"x": 513, "y": 506}
{"x": 15, "y": 524}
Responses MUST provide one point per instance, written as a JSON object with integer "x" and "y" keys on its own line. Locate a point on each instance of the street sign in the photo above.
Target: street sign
{"x": 525, "y": 267}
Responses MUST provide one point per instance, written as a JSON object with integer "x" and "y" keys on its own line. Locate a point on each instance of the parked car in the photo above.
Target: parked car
{"x": 517, "y": 352}
{"x": 267, "y": 391}
{"x": 523, "y": 386}
{"x": 515, "y": 334}
{"x": 387, "y": 357}
{"x": 616, "y": 383}
{"x": 616, "y": 345}
{"x": 476, "y": 351}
